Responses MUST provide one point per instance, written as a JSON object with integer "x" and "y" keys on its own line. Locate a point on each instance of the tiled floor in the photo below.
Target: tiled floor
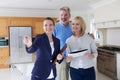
{"x": 14, "y": 74}
{"x": 11, "y": 74}
{"x": 101, "y": 76}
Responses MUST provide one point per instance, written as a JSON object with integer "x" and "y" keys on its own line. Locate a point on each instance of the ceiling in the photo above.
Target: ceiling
{"x": 50, "y": 5}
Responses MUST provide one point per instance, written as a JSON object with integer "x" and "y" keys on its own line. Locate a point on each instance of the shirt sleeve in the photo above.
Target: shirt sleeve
{"x": 34, "y": 46}
{"x": 68, "y": 49}
{"x": 94, "y": 48}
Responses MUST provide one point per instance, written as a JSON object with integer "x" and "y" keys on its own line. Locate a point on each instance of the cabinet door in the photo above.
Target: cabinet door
{"x": 38, "y": 28}
{"x": 110, "y": 65}
{"x": 3, "y": 27}
{"x": 110, "y": 62}
{"x": 20, "y": 21}
{"x": 100, "y": 63}
{"x": 4, "y": 57}
{"x": 118, "y": 64}
{"x": 107, "y": 63}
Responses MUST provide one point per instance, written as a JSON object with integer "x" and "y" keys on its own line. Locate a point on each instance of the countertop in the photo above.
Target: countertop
{"x": 110, "y": 48}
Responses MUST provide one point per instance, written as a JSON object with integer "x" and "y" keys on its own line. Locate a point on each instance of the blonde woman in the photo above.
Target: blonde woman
{"x": 82, "y": 65}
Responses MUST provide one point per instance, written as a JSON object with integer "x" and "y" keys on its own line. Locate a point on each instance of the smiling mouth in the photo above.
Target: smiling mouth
{"x": 64, "y": 20}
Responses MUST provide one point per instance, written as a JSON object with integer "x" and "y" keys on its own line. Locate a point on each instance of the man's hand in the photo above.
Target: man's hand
{"x": 92, "y": 35}
{"x": 68, "y": 58}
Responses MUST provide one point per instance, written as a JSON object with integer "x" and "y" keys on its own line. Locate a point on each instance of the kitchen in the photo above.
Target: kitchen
{"x": 106, "y": 22}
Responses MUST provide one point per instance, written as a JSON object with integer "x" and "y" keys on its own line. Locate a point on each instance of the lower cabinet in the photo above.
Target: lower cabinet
{"x": 4, "y": 57}
{"x": 106, "y": 63}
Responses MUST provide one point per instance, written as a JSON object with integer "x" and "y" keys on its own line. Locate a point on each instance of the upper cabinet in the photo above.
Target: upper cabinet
{"x": 20, "y": 21}
{"x": 38, "y": 26}
{"x": 108, "y": 24}
{"x": 36, "y": 23}
{"x": 108, "y": 16}
{"x": 3, "y": 27}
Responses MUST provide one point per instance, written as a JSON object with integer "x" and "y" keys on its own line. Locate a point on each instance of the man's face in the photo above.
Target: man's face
{"x": 64, "y": 17}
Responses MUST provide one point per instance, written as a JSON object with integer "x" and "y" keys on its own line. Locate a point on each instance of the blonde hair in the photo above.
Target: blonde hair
{"x": 65, "y": 8}
{"x": 82, "y": 24}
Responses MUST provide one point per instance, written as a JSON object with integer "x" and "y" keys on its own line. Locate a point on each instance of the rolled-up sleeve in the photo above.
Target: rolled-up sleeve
{"x": 94, "y": 48}
{"x": 34, "y": 46}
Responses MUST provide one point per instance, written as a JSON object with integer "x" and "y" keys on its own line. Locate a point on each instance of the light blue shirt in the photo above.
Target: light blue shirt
{"x": 62, "y": 33}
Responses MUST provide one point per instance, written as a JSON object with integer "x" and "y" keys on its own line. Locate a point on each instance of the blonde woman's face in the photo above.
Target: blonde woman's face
{"x": 76, "y": 27}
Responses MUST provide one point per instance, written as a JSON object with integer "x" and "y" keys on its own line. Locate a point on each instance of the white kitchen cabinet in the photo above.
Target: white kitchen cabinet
{"x": 118, "y": 65}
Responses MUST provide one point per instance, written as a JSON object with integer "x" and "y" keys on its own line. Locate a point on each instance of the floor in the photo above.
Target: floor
{"x": 101, "y": 76}
{"x": 15, "y": 74}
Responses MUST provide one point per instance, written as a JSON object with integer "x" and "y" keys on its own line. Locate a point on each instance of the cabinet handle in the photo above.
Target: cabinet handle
{"x": 20, "y": 41}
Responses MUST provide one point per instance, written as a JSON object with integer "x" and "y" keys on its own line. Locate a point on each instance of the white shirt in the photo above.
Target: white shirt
{"x": 83, "y": 42}
{"x": 51, "y": 73}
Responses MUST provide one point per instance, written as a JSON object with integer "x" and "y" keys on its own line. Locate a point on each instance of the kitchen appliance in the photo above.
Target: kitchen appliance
{"x": 18, "y": 53}
{"x": 3, "y": 41}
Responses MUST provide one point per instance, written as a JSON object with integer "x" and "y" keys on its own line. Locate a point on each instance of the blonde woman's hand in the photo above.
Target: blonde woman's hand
{"x": 68, "y": 58}
{"x": 89, "y": 55}
{"x": 27, "y": 41}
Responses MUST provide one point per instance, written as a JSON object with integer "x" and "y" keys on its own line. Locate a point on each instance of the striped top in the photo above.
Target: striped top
{"x": 81, "y": 43}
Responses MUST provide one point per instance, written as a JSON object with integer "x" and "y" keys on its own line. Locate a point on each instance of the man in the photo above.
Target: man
{"x": 62, "y": 31}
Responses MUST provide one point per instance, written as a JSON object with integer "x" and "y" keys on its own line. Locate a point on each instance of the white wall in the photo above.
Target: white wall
{"x": 108, "y": 12}
{"x": 86, "y": 16}
{"x": 105, "y": 18}
{"x": 113, "y": 36}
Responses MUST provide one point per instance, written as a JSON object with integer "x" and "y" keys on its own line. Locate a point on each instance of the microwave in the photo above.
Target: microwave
{"x": 3, "y": 41}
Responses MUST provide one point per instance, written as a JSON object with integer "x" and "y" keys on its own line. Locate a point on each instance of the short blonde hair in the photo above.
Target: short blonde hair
{"x": 82, "y": 24}
{"x": 65, "y": 8}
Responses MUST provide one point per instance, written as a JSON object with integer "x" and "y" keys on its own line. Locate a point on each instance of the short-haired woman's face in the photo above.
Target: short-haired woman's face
{"x": 48, "y": 26}
{"x": 76, "y": 27}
